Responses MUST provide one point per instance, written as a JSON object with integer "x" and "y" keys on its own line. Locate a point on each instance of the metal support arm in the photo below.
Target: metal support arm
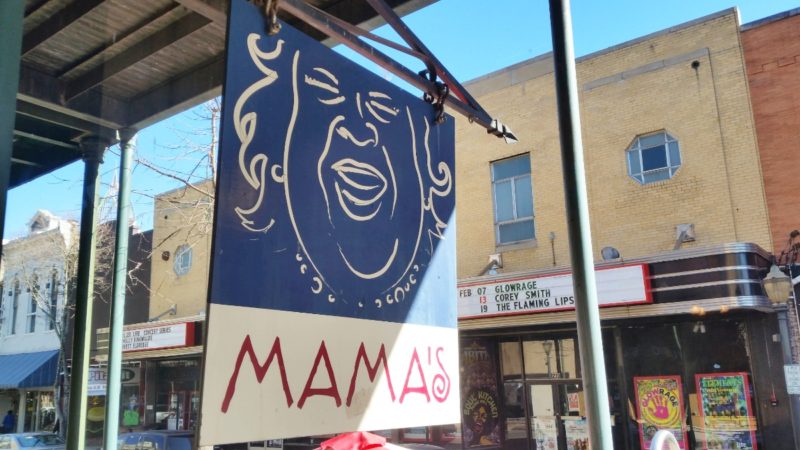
{"x": 460, "y": 100}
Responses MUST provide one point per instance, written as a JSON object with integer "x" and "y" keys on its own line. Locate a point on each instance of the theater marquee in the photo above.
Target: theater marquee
{"x": 625, "y": 285}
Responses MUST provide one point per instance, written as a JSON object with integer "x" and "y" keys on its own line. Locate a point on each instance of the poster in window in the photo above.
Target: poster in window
{"x": 480, "y": 407}
{"x": 726, "y": 412}
{"x": 659, "y": 406}
{"x": 545, "y": 432}
{"x": 577, "y": 431}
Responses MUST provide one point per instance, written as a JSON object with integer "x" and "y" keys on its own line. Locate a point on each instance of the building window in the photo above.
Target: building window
{"x": 14, "y": 307}
{"x": 653, "y": 157}
{"x": 53, "y": 303}
{"x": 2, "y": 308}
{"x": 31, "y": 316}
{"x": 513, "y": 199}
{"x": 183, "y": 260}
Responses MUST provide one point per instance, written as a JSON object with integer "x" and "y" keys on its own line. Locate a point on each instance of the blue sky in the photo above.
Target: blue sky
{"x": 470, "y": 37}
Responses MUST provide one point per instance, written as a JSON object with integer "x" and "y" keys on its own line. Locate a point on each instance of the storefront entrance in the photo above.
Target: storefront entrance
{"x": 543, "y": 396}
{"x": 555, "y": 408}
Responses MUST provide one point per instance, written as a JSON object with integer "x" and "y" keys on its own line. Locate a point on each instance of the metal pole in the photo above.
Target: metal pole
{"x": 126, "y": 147}
{"x": 11, "y": 13}
{"x": 588, "y": 316}
{"x": 786, "y": 321}
{"x": 794, "y": 400}
{"x": 93, "y": 148}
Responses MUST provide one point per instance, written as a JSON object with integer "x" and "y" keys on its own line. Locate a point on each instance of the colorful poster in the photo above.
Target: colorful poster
{"x": 545, "y": 432}
{"x": 726, "y": 412}
{"x": 577, "y": 431}
{"x": 659, "y": 406}
{"x": 332, "y": 302}
{"x": 480, "y": 407}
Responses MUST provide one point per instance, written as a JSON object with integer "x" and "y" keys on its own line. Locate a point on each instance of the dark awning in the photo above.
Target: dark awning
{"x": 28, "y": 370}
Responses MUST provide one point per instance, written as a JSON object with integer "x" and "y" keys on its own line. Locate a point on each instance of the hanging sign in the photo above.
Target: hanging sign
{"x": 98, "y": 379}
{"x": 332, "y": 302}
{"x": 626, "y": 285}
{"x": 659, "y": 406}
{"x": 726, "y": 412}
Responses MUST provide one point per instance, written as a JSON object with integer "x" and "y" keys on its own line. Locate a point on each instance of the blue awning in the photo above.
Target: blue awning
{"x": 28, "y": 370}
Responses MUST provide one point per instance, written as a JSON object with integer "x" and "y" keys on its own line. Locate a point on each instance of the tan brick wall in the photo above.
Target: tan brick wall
{"x": 183, "y": 216}
{"x": 772, "y": 54}
{"x": 636, "y": 88}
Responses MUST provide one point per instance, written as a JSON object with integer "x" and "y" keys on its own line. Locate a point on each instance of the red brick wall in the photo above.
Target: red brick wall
{"x": 772, "y": 57}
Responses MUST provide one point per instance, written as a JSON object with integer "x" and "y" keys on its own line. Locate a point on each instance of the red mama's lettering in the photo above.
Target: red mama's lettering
{"x": 439, "y": 390}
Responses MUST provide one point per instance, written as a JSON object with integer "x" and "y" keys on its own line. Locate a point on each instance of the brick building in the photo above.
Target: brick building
{"x": 679, "y": 223}
{"x": 772, "y": 57}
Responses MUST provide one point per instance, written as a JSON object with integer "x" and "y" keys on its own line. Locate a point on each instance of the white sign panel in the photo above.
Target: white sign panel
{"x": 98, "y": 379}
{"x": 96, "y": 385}
{"x": 792, "y": 373}
{"x": 616, "y": 286}
{"x": 155, "y": 337}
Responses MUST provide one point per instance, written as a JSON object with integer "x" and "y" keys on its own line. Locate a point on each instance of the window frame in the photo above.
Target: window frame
{"x": 33, "y": 310}
{"x": 15, "y": 306}
{"x": 512, "y": 181}
{"x": 53, "y": 300}
{"x": 2, "y": 307}
{"x": 180, "y": 266}
{"x": 670, "y": 167}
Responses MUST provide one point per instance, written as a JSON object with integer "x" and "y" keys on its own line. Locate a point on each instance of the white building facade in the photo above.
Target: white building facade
{"x": 35, "y": 276}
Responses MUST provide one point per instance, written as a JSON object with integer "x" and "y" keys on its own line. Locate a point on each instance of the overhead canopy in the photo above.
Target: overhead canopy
{"x": 91, "y": 67}
{"x": 28, "y": 370}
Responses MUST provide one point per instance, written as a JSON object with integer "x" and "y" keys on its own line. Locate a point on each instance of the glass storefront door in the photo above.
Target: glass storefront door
{"x": 556, "y": 420}
{"x": 544, "y": 405}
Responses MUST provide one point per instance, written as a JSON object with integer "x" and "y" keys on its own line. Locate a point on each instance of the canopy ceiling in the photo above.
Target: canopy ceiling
{"x": 91, "y": 67}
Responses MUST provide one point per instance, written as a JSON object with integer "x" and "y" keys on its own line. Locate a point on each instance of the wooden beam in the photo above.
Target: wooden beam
{"x": 48, "y": 92}
{"x": 214, "y": 10}
{"x": 57, "y": 22}
{"x": 63, "y": 119}
{"x": 144, "y": 48}
{"x": 46, "y": 140}
{"x": 118, "y": 40}
{"x": 33, "y": 5}
{"x": 195, "y": 86}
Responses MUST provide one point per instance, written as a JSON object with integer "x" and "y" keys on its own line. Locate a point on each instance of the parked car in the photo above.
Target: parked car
{"x": 38, "y": 441}
{"x": 163, "y": 440}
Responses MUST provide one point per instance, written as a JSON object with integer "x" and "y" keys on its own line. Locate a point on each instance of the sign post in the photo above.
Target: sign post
{"x": 332, "y": 301}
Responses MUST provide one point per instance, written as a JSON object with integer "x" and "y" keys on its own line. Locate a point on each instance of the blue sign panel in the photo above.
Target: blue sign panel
{"x": 333, "y": 275}
{"x": 336, "y": 186}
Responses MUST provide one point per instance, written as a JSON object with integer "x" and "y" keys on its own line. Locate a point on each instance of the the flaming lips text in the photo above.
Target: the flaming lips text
{"x": 415, "y": 383}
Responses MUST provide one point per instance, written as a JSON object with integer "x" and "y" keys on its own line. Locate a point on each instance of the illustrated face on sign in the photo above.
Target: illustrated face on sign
{"x": 364, "y": 219}
{"x": 360, "y": 183}
{"x": 479, "y": 417}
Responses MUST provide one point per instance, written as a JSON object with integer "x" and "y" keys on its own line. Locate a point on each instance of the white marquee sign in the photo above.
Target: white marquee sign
{"x": 616, "y": 286}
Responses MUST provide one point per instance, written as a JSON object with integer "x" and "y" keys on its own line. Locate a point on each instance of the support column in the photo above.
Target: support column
{"x": 93, "y": 149}
{"x": 588, "y": 315}
{"x": 11, "y": 13}
{"x": 23, "y": 402}
{"x": 114, "y": 383}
